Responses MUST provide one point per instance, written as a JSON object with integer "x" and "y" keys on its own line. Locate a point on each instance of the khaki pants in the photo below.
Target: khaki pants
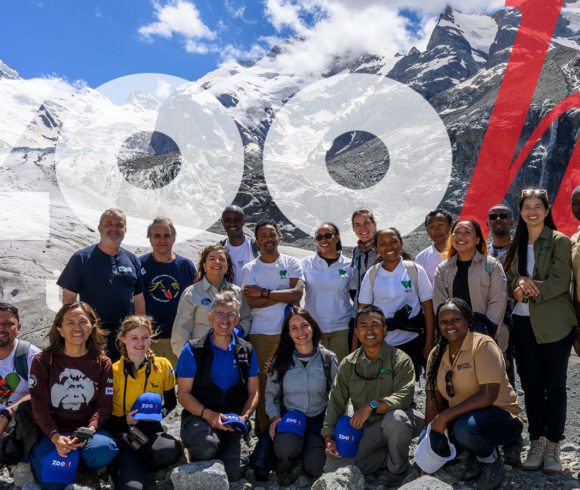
{"x": 337, "y": 342}
{"x": 265, "y": 346}
{"x": 162, "y": 348}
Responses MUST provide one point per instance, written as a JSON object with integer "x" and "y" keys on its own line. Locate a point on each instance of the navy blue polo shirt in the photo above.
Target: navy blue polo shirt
{"x": 224, "y": 369}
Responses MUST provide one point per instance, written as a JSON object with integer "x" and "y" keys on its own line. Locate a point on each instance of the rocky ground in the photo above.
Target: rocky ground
{"x": 20, "y": 476}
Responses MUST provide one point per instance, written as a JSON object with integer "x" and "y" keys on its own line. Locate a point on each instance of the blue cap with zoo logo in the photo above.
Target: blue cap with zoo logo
{"x": 59, "y": 469}
{"x": 149, "y": 407}
{"x": 346, "y": 437}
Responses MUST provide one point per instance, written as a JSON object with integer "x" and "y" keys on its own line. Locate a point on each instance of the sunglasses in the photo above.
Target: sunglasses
{"x": 494, "y": 216}
{"x": 328, "y": 236}
{"x": 372, "y": 378}
{"x": 534, "y": 192}
{"x": 449, "y": 383}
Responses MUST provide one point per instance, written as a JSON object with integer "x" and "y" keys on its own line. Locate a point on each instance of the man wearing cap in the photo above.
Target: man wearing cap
{"x": 379, "y": 380}
{"x": 217, "y": 380}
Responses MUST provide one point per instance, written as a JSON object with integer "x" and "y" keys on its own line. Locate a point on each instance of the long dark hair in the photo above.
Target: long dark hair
{"x": 203, "y": 257}
{"x": 404, "y": 254}
{"x": 431, "y": 377}
{"x": 481, "y": 247}
{"x": 96, "y": 341}
{"x": 519, "y": 243}
{"x": 282, "y": 358}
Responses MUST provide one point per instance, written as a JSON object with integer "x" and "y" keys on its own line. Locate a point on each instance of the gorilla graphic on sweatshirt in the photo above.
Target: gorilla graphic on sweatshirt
{"x": 72, "y": 390}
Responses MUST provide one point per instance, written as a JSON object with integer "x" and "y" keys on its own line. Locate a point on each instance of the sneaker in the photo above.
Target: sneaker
{"x": 535, "y": 456}
{"x": 493, "y": 475}
{"x": 512, "y": 452}
{"x": 389, "y": 480}
{"x": 552, "y": 458}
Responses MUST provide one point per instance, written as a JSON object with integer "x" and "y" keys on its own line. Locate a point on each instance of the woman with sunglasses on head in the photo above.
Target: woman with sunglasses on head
{"x": 401, "y": 288}
{"x": 71, "y": 390}
{"x": 466, "y": 372}
{"x": 471, "y": 274}
{"x": 143, "y": 394}
{"x": 299, "y": 378}
{"x": 327, "y": 275}
{"x": 215, "y": 275}
{"x": 538, "y": 268}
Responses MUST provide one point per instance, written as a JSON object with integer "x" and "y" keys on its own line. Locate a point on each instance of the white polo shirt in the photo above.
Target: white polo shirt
{"x": 277, "y": 275}
{"x": 391, "y": 291}
{"x": 429, "y": 259}
{"x": 327, "y": 292}
{"x": 240, "y": 255}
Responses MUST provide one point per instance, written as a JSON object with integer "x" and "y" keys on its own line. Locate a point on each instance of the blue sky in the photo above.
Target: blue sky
{"x": 95, "y": 42}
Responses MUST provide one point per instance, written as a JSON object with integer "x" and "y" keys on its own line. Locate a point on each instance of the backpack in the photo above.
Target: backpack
{"x": 21, "y": 358}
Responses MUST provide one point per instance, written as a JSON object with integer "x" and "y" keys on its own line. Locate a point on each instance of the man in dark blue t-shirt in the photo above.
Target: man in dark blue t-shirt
{"x": 107, "y": 277}
{"x": 166, "y": 275}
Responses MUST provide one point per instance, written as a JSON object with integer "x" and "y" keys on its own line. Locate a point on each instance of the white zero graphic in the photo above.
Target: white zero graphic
{"x": 212, "y": 158}
{"x": 304, "y": 129}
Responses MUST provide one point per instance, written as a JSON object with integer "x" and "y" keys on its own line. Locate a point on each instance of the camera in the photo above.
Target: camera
{"x": 83, "y": 434}
{"x": 135, "y": 437}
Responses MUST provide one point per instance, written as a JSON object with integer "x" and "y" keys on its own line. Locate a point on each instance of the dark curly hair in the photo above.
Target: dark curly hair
{"x": 431, "y": 377}
{"x": 203, "y": 257}
{"x": 282, "y": 358}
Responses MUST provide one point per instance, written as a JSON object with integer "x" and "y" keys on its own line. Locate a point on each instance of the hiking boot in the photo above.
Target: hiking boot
{"x": 552, "y": 462}
{"x": 535, "y": 456}
{"x": 472, "y": 469}
{"x": 389, "y": 480}
{"x": 493, "y": 475}
{"x": 512, "y": 452}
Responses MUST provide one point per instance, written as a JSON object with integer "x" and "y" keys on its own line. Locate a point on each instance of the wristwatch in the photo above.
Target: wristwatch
{"x": 374, "y": 405}
{"x": 6, "y": 414}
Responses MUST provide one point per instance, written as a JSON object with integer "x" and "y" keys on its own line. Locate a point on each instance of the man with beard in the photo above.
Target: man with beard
{"x": 107, "y": 277}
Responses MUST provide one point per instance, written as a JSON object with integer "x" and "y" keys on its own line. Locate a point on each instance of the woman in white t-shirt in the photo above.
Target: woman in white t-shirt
{"x": 327, "y": 275}
{"x": 403, "y": 291}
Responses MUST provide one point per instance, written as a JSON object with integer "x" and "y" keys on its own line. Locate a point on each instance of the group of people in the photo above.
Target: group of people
{"x": 464, "y": 312}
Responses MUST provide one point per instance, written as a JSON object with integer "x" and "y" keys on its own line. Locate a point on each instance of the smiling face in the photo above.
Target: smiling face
{"x": 137, "y": 341}
{"x": 464, "y": 238}
{"x": 326, "y": 246}
{"x": 364, "y": 228}
{"x": 223, "y": 319}
{"x": 533, "y": 212}
{"x": 300, "y": 331}
{"x": 233, "y": 223}
{"x": 370, "y": 329}
{"x": 161, "y": 239}
{"x": 500, "y": 220}
{"x": 452, "y": 324}
{"x": 438, "y": 230}
{"x": 267, "y": 239}
{"x": 216, "y": 264}
{"x": 389, "y": 246}
{"x": 75, "y": 328}
{"x": 9, "y": 328}
{"x": 112, "y": 229}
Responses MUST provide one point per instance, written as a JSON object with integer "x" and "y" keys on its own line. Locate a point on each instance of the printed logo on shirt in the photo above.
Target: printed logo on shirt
{"x": 143, "y": 271}
{"x": 153, "y": 385}
{"x": 283, "y": 273}
{"x": 407, "y": 285}
{"x": 109, "y": 380}
{"x": 206, "y": 301}
{"x": 31, "y": 381}
{"x": 123, "y": 268}
{"x": 341, "y": 272}
{"x": 464, "y": 365}
{"x": 171, "y": 372}
{"x": 8, "y": 386}
{"x": 73, "y": 390}
{"x": 163, "y": 288}
{"x": 108, "y": 390}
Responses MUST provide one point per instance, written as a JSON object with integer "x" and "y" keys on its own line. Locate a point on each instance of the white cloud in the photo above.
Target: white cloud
{"x": 238, "y": 13}
{"x": 163, "y": 89}
{"x": 179, "y": 17}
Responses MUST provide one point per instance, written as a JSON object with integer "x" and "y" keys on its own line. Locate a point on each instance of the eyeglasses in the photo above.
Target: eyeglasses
{"x": 372, "y": 378}
{"x": 115, "y": 265}
{"x": 328, "y": 236}
{"x": 534, "y": 192}
{"x": 220, "y": 315}
{"x": 494, "y": 216}
{"x": 449, "y": 383}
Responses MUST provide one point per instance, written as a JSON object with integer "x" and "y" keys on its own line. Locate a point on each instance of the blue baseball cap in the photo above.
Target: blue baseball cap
{"x": 347, "y": 437}
{"x": 59, "y": 469}
{"x": 236, "y": 422}
{"x": 149, "y": 406}
{"x": 293, "y": 421}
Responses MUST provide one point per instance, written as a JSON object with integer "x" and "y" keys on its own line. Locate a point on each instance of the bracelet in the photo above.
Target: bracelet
{"x": 52, "y": 434}
{"x": 201, "y": 414}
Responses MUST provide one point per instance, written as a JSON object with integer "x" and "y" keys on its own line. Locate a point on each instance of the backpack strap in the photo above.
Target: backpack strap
{"x": 489, "y": 263}
{"x": 326, "y": 364}
{"x": 373, "y": 271}
{"x": 21, "y": 358}
{"x": 413, "y": 274}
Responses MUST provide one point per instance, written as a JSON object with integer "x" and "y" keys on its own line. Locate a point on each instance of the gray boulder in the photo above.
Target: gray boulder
{"x": 348, "y": 478}
{"x": 200, "y": 475}
{"x": 426, "y": 482}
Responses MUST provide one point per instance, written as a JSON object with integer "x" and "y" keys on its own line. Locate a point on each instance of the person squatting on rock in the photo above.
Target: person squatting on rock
{"x": 107, "y": 277}
{"x": 18, "y": 433}
{"x": 165, "y": 276}
{"x": 218, "y": 385}
{"x": 143, "y": 394}
{"x": 379, "y": 380}
{"x": 466, "y": 372}
{"x": 300, "y": 375}
{"x": 71, "y": 388}
{"x": 215, "y": 276}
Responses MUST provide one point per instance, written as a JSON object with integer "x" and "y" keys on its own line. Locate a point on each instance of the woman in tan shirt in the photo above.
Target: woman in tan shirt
{"x": 469, "y": 394}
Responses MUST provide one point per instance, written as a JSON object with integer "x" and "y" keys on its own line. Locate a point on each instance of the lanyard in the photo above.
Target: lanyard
{"x": 126, "y": 372}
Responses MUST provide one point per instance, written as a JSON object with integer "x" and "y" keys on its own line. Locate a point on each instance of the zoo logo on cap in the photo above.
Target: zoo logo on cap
{"x": 60, "y": 464}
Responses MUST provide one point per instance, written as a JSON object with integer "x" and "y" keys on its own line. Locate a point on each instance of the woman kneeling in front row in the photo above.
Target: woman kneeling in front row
{"x": 466, "y": 371}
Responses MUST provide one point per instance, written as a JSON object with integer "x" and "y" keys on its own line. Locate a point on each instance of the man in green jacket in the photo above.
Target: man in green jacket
{"x": 379, "y": 380}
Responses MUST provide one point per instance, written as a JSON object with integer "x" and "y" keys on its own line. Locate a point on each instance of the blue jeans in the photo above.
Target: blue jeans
{"x": 98, "y": 452}
{"x": 480, "y": 431}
